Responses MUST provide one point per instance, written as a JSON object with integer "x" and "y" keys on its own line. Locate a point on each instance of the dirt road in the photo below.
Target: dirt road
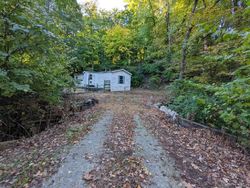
{"x": 119, "y": 151}
{"x": 134, "y": 145}
{"x": 124, "y": 142}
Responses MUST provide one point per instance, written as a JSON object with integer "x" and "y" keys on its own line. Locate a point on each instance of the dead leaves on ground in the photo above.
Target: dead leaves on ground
{"x": 38, "y": 157}
{"x": 88, "y": 176}
{"x": 205, "y": 159}
{"x": 119, "y": 167}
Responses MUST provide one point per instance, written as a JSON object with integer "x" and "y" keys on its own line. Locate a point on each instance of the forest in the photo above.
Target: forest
{"x": 198, "y": 51}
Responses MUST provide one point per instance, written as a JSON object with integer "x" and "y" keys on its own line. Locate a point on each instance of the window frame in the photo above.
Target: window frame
{"x": 119, "y": 79}
{"x": 90, "y": 76}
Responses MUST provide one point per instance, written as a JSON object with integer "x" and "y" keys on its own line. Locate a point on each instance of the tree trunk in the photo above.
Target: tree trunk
{"x": 184, "y": 53}
{"x": 168, "y": 31}
{"x": 152, "y": 12}
{"x": 233, "y": 7}
{"x": 185, "y": 42}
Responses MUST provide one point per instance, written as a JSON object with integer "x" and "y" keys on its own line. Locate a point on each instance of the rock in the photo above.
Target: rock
{"x": 157, "y": 105}
{"x": 170, "y": 113}
{"x": 90, "y": 102}
{"x": 80, "y": 106}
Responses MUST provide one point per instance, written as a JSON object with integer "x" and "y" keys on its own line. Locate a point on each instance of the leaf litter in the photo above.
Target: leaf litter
{"x": 118, "y": 166}
{"x": 34, "y": 159}
{"x": 205, "y": 158}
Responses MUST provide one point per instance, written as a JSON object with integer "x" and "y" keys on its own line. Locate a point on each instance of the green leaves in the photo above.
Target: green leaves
{"x": 3, "y": 55}
{"x": 225, "y": 106}
{"x": 19, "y": 28}
{"x": 34, "y": 47}
{"x": 20, "y": 87}
{"x": 118, "y": 43}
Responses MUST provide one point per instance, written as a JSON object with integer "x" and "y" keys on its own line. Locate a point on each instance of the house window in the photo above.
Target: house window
{"x": 121, "y": 79}
{"x": 90, "y": 77}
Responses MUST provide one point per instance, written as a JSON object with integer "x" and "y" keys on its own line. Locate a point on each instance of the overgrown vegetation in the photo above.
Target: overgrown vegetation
{"x": 225, "y": 107}
{"x": 35, "y": 53}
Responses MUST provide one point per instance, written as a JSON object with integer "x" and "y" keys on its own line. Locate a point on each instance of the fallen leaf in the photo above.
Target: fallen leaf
{"x": 225, "y": 180}
{"x": 188, "y": 185}
{"x": 126, "y": 185}
{"x": 92, "y": 186}
{"x": 88, "y": 176}
{"x": 195, "y": 166}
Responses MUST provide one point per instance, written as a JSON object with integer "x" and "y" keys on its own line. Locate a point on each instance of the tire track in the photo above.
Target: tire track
{"x": 161, "y": 167}
{"x": 82, "y": 157}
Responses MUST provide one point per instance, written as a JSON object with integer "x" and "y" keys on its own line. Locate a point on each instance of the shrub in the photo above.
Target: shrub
{"x": 225, "y": 107}
{"x": 154, "y": 81}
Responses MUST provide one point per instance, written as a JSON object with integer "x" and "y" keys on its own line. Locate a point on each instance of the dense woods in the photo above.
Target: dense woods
{"x": 199, "y": 48}
{"x": 36, "y": 49}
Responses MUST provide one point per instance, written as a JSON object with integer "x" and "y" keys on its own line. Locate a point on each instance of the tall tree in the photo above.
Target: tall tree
{"x": 185, "y": 42}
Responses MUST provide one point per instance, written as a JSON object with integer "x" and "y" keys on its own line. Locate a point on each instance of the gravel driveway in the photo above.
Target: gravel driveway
{"x": 159, "y": 164}
{"x": 81, "y": 158}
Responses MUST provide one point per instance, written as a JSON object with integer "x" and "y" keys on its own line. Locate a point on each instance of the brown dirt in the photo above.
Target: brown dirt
{"x": 204, "y": 158}
{"x": 33, "y": 159}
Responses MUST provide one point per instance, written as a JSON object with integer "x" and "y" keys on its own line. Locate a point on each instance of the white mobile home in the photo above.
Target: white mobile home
{"x": 116, "y": 80}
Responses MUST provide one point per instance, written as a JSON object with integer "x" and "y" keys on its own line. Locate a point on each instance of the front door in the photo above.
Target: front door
{"x": 90, "y": 80}
{"x": 107, "y": 85}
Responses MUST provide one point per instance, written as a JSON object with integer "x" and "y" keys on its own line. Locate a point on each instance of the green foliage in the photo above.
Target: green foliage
{"x": 34, "y": 49}
{"x": 118, "y": 43}
{"x": 226, "y": 106}
{"x": 137, "y": 75}
{"x": 154, "y": 82}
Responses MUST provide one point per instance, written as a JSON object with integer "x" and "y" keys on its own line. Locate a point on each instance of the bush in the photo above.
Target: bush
{"x": 225, "y": 107}
{"x": 169, "y": 74}
{"x": 137, "y": 80}
{"x": 154, "y": 82}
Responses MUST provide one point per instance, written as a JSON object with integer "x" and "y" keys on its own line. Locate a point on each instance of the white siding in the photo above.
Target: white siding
{"x": 85, "y": 79}
{"x": 99, "y": 77}
{"x": 115, "y": 86}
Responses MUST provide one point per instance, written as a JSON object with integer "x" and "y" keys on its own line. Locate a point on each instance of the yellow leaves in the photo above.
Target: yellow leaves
{"x": 26, "y": 58}
{"x": 115, "y": 59}
{"x": 140, "y": 54}
{"x": 118, "y": 32}
{"x": 123, "y": 49}
{"x": 118, "y": 42}
{"x": 178, "y": 6}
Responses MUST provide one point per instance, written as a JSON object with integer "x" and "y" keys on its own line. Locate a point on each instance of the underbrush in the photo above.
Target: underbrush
{"x": 33, "y": 159}
{"x": 26, "y": 116}
{"x": 226, "y": 107}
